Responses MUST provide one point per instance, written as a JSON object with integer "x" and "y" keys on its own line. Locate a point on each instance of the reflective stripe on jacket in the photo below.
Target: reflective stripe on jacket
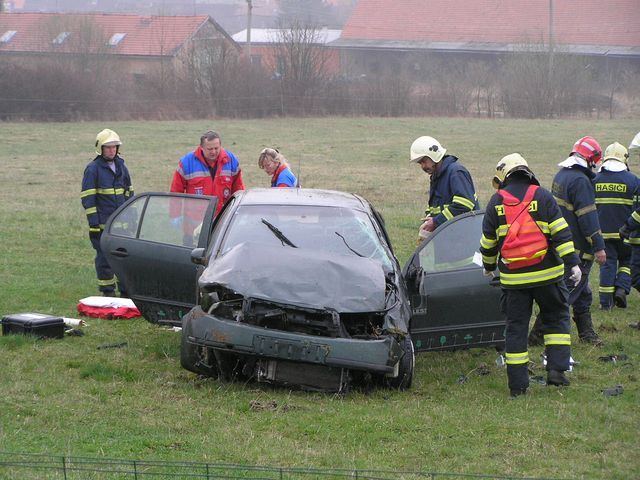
{"x": 544, "y": 210}
{"x": 193, "y": 176}
{"x": 574, "y": 192}
{"x": 615, "y": 198}
{"x": 451, "y": 191}
{"x": 104, "y": 190}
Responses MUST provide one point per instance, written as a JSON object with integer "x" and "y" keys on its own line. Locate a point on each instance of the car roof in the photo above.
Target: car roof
{"x": 302, "y": 196}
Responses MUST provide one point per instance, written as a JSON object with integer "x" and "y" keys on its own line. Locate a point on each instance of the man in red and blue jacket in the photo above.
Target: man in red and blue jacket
{"x": 208, "y": 170}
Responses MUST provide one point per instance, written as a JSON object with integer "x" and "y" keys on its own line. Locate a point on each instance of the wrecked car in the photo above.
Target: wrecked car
{"x": 300, "y": 287}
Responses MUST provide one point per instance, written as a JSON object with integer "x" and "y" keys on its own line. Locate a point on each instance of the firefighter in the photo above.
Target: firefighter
{"x": 451, "y": 190}
{"x": 106, "y": 185}
{"x": 531, "y": 252}
{"x": 630, "y": 230}
{"x": 616, "y": 188}
{"x": 573, "y": 190}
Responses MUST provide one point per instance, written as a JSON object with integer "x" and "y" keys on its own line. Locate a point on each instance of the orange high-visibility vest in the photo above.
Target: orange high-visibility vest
{"x": 524, "y": 244}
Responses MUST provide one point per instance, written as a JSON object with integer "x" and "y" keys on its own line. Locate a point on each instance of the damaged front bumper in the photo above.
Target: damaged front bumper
{"x": 380, "y": 356}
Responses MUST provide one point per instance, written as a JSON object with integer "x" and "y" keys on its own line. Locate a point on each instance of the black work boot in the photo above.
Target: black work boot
{"x": 586, "y": 333}
{"x": 620, "y": 298}
{"x": 536, "y": 337}
{"x": 517, "y": 392}
{"x": 557, "y": 378}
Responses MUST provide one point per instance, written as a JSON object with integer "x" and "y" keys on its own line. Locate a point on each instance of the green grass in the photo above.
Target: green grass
{"x": 68, "y": 397}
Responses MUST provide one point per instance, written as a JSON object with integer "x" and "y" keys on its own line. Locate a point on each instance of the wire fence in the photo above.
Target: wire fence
{"x": 42, "y": 466}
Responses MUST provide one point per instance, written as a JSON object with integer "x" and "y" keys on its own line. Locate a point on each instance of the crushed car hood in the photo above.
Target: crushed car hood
{"x": 300, "y": 277}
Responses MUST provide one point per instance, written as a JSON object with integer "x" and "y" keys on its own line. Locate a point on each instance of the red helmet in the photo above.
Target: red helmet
{"x": 589, "y": 149}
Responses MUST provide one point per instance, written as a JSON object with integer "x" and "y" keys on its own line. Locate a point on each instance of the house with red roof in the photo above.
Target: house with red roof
{"x": 380, "y": 34}
{"x": 139, "y": 44}
{"x": 267, "y": 46}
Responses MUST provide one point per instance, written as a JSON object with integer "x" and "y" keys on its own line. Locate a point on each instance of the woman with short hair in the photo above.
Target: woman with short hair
{"x": 274, "y": 164}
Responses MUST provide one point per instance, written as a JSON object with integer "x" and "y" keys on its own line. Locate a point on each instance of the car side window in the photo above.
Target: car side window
{"x": 174, "y": 220}
{"x": 126, "y": 223}
{"x": 453, "y": 247}
{"x": 167, "y": 220}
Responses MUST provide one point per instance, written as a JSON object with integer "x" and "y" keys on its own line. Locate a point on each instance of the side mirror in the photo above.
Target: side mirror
{"x": 198, "y": 256}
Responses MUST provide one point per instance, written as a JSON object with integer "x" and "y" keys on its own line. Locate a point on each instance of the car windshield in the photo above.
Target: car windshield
{"x": 329, "y": 229}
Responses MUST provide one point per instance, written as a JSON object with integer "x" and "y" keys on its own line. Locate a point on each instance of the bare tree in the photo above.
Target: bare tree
{"x": 210, "y": 66}
{"x": 300, "y": 63}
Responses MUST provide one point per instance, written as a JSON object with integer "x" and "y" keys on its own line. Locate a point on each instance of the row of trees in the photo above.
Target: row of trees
{"x": 215, "y": 81}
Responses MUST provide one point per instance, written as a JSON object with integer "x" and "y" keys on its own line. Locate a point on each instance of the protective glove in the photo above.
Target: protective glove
{"x": 487, "y": 273}
{"x": 624, "y": 231}
{"x": 576, "y": 274}
{"x": 94, "y": 233}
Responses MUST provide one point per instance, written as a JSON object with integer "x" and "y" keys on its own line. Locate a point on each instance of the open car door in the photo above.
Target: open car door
{"x": 453, "y": 304}
{"x": 148, "y": 243}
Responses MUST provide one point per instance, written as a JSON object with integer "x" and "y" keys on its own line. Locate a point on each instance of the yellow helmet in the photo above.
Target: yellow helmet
{"x": 106, "y": 138}
{"x": 508, "y": 165}
{"x": 427, "y": 147}
{"x": 634, "y": 146}
{"x": 616, "y": 151}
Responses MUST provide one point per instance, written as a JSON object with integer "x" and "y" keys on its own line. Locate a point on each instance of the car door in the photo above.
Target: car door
{"x": 453, "y": 304}
{"x": 148, "y": 243}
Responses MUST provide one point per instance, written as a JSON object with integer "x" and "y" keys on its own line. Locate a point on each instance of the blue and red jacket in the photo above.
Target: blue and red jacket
{"x": 574, "y": 192}
{"x": 104, "y": 190}
{"x": 451, "y": 191}
{"x": 283, "y": 177}
{"x": 615, "y": 199}
{"x": 194, "y": 176}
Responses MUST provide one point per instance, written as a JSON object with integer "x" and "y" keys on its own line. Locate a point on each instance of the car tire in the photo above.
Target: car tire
{"x": 407, "y": 365}
{"x": 191, "y": 356}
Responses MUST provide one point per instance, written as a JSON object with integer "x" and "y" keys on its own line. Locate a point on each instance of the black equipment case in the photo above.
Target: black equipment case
{"x": 38, "y": 324}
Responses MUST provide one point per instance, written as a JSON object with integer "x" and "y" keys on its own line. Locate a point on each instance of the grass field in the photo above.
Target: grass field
{"x": 68, "y": 397}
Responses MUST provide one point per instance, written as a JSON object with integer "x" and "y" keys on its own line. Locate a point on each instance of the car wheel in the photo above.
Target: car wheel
{"x": 195, "y": 358}
{"x": 407, "y": 364}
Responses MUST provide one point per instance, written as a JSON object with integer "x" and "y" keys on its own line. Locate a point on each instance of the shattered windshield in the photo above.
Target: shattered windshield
{"x": 333, "y": 230}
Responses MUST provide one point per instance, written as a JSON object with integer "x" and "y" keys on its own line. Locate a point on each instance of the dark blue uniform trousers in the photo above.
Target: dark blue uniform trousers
{"x": 554, "y": 315}
{"x": 106, "y": 277}
{"x": 615, "y": 273}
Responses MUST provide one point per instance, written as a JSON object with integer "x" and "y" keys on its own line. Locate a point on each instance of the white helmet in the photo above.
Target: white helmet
{"x": 508, "y": 165}
{"x": 615, "y": 151}
{"x": 634, "y": 146}
{"x": 427, "y": 147}
{"x": 106, "y": 138}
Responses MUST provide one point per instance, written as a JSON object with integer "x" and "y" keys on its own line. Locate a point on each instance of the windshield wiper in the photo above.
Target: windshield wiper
{"x": 347, "y": 245}
{"x": 280, "y": 236}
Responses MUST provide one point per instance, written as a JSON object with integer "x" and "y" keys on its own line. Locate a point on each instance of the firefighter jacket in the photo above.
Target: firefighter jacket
{"x": 615, "y": 197}
{"x": 283, "y": 177}
{"x": 104, "y": 190}
{"x": 544, "y": 210}
{"x": 195, "y": 176}
{"x": 451, "y": 191}
{"x": 633, "y": 223}
{"x": 574, "y": 192}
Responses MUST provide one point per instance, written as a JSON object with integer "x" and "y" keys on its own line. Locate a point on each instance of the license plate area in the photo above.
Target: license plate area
{"x": 290, "y": 349}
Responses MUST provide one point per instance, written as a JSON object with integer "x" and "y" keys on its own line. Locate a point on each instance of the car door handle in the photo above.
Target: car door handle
{"x": 120, "y": 252}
